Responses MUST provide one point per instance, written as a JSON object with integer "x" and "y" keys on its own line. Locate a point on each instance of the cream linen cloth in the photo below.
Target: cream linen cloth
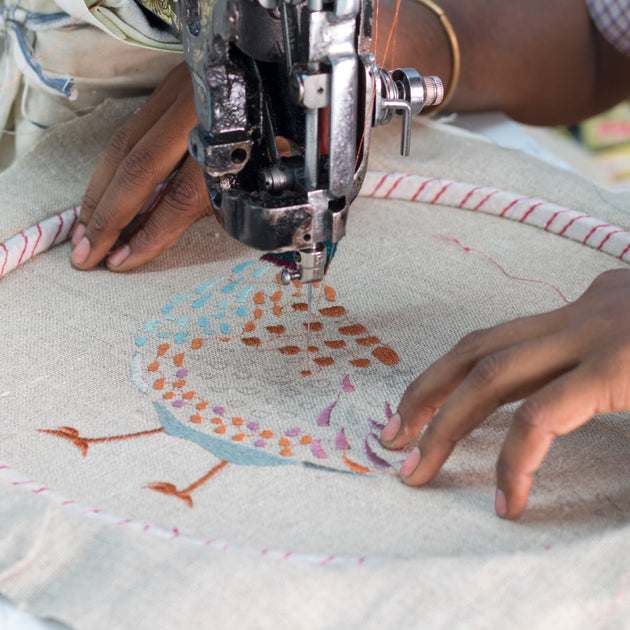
{"x": 165, "y": 464}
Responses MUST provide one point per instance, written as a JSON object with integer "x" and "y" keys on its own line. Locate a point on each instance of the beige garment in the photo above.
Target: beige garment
{"x": 91, "y": 50}
{"x": 117, "y": 509}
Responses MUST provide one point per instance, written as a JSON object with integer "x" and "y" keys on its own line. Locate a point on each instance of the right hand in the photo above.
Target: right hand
{"x": 150, "y": 146}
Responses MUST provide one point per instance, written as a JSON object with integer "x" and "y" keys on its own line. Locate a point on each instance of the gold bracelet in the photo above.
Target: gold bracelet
{"x": 455, "y": 53}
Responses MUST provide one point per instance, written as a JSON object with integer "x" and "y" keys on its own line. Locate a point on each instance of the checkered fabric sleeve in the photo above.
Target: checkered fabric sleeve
{"x": 612, "y": 18}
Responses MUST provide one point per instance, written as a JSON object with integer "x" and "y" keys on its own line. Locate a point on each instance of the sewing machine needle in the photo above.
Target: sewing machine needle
{"x": 309, "y": 295}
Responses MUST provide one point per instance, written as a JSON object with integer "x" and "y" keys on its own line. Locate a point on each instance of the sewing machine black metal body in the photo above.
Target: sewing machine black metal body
{"x": 286, "y": 93}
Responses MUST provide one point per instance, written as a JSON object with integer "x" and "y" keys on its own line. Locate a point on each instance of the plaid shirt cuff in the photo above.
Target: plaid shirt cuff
{"x": 612, "y": 18}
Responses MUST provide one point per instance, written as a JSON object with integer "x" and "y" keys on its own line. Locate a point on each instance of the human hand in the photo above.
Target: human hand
{"x": 142, "y": 153}
{"x": 568, "y": 365}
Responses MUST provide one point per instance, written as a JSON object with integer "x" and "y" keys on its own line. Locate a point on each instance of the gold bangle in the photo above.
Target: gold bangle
{"x": 455, "y": 53}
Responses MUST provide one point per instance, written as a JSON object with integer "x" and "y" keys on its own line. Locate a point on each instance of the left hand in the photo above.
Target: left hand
{"x": 568, "y": 365}
{"x": 150, "y": 146}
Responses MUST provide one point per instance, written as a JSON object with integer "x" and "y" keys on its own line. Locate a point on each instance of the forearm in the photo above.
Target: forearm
{"x": 541, "y": 62}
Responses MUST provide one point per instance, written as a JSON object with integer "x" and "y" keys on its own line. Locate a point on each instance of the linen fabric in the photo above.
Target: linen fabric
{"x": 165, "y": 461}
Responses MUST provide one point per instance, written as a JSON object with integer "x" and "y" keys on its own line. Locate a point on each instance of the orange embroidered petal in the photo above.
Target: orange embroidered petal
{"x": 163, "y": 349}
{"x": 154, "y": 367}
{"x": 333, "y": 311}
{"x": 360, "y": 363}
{"x": 188, "y": 395}
{"x": 315, "y": 326}
{"x": 353, "y": 329}
{"x": 368, "y": 341}
{"x": 330, "y": 293}
{"x": 335, "y": 344}
{"x": 251, "y": 341}
{"x": 196, "y": 418}
{"x": 178, "y": 359}
{"x": 159, "y": 384}
{"x": 306, "y": 372}
{"x": 306, "y": 439}
{"x": 179, "y": 384}
{"x": 276, "y": 330}
{"x": 169, "y": 395}
{"x": 258, "y": 313}
{"x": 286, "y": 452}
{"x": 313, "y": 349}
{"x": 249, "y": 327}
{"x": 266, "y": 434}
{"x": 259, "y": 298}
{"x": 220, "y": 430}
{"x": 237, "y": 422}
{"x": 196, "y": 343}
{"x": 238, "y": 438}
{"x": 216, "y": 421}
{"x": 324, "y": 361}
{"x": 277, "y": 310}
{"x": 301, "y": 307}
{"x": 386, "y": 355}
{"x": 354, "y": 466}
{"x": 276, "y": 297}
{"x": 284, "y": 442}
{"x": 202, "y": 405}
{"x": 289, "y": 350}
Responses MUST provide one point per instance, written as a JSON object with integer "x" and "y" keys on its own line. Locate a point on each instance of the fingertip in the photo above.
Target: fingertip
{"x": 510, "y": 502}
{"x": 391, "y": 429}
{"x": 116, "y": 260}
{"x": 500, "y": 503}
{"x": 78, "y": 234}
{"x": 80, "y": 253}
{"x": 410, "y": 464}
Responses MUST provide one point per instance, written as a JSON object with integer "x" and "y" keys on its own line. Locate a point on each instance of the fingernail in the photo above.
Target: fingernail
{"x": 119, "y": 256}
{"x": 391, "y": 428}
{"x": 500, "y": 504}
{"x": 78, "y": 234}
{"x": 411, "y": 463}
{"x": 80, "y": 252}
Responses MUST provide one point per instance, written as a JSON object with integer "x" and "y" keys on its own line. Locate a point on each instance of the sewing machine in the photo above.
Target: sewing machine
{"x": 286, "y": 93}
